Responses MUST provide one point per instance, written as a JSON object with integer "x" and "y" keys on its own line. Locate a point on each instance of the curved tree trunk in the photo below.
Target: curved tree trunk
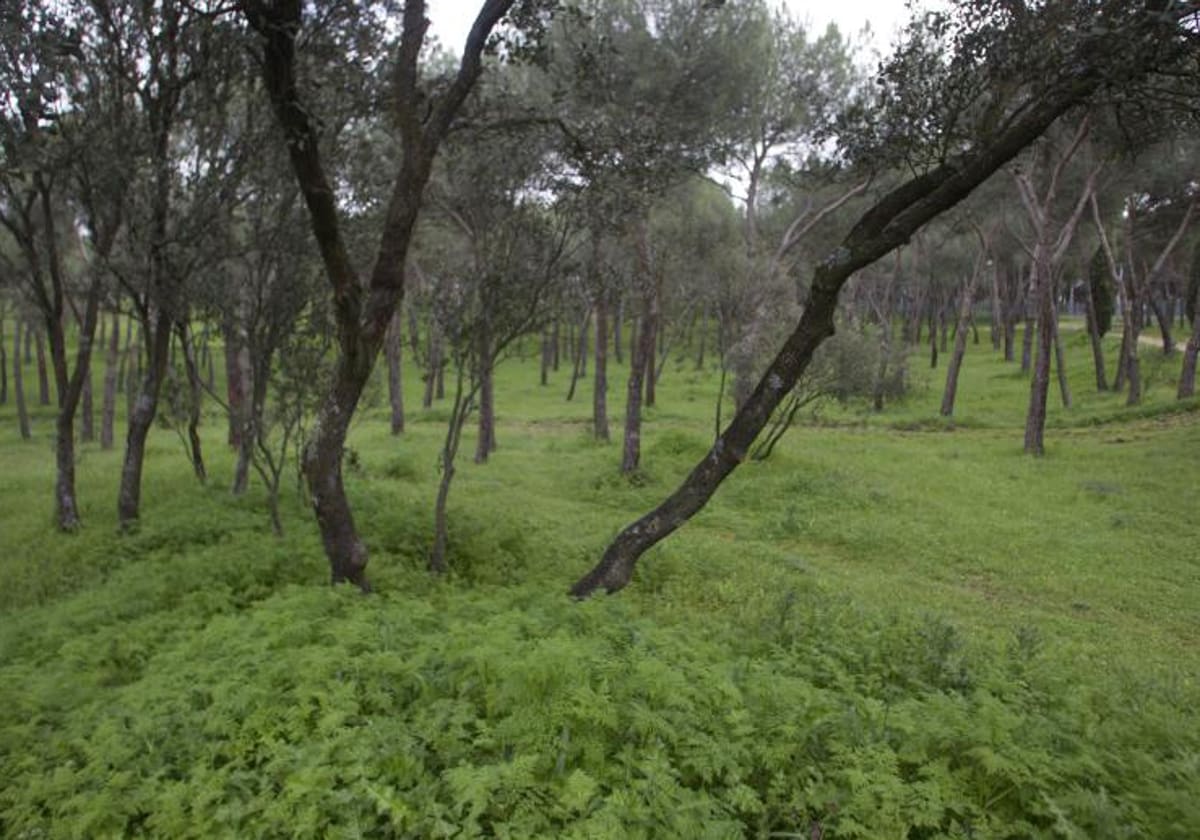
{"x": 887, "y": 224}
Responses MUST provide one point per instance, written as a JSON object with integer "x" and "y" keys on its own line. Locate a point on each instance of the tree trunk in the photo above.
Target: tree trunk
{"x": 195, "y": 398}
{"x": 641, "y": 360}
{"x": 600, "y": 371}
{"x": 394, "y": 349}
{"x": 1039, "y": 387}
{"x": 960, "y": 340}
{"x": 554, "y": 343}
{"x": 1164, "y": 324}
{"x": 579, "y": 356}
{"x": 458, "y": 419}
{"x": 703, "y": 337}
{"x": 486, "y": 444}
{"x": 652, "y": 329}
{"x": 1060, "y": 364}
{"x": 3, "y": 362}
{"x": 547, "y": 357}
{"x": 1027, "y": 342}
{"x": 235, "y": 386}
{"x": 887, "y": 224}
{"x": 997, "y": 309}
{"x": 434, "y": 355}
{"x": 39, "y": 343}
{"x": 19, "y": 383}
{"x": 108, "y": 411}
{"x": 1093, "y": 328}
{"x": 141, "y": 418}
{"x": 618, "y": 321}
{"x": 1187, "y": 375}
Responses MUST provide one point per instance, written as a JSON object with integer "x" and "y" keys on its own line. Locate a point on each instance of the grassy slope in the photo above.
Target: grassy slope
{"x": 862, "y": 532}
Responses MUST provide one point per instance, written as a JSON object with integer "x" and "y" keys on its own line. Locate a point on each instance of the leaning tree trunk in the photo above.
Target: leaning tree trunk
{"x": 141, "y": 418}
{"x": 890, "y": 222}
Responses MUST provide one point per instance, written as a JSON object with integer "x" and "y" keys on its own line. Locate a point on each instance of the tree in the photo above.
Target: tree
{"x": 40, "y": 142}
{"x": 363, "y": 311}
{"x": 993, "y": 101}
{"x": 1191, "y": 307}
{"x": 1049, "y": 246}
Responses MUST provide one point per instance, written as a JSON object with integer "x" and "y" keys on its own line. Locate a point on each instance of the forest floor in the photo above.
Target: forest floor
{"x": 899, "y": 625}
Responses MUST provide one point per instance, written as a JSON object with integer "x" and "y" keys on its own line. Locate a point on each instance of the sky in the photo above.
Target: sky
{"x": 451, "y": 19}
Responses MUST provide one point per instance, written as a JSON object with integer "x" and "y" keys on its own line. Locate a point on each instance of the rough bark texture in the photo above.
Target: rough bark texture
{"x": 889, "y": 223}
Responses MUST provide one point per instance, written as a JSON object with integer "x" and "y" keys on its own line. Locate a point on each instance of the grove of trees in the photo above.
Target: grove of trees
{"x": 292, "y": 191}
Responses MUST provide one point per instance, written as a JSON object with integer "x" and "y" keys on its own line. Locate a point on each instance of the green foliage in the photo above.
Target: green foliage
{"x": 877, "y": 633}
{"x": 1101, "y": 288}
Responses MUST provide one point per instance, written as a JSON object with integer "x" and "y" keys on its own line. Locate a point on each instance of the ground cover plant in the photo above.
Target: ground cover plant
{"x": 896, "y": 626}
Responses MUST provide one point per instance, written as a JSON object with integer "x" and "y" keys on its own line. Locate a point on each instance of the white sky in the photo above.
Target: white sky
{"x": 451, "y": 19}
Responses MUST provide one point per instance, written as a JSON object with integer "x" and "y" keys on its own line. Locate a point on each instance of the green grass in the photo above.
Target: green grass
{"x": 896, "y": 627}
